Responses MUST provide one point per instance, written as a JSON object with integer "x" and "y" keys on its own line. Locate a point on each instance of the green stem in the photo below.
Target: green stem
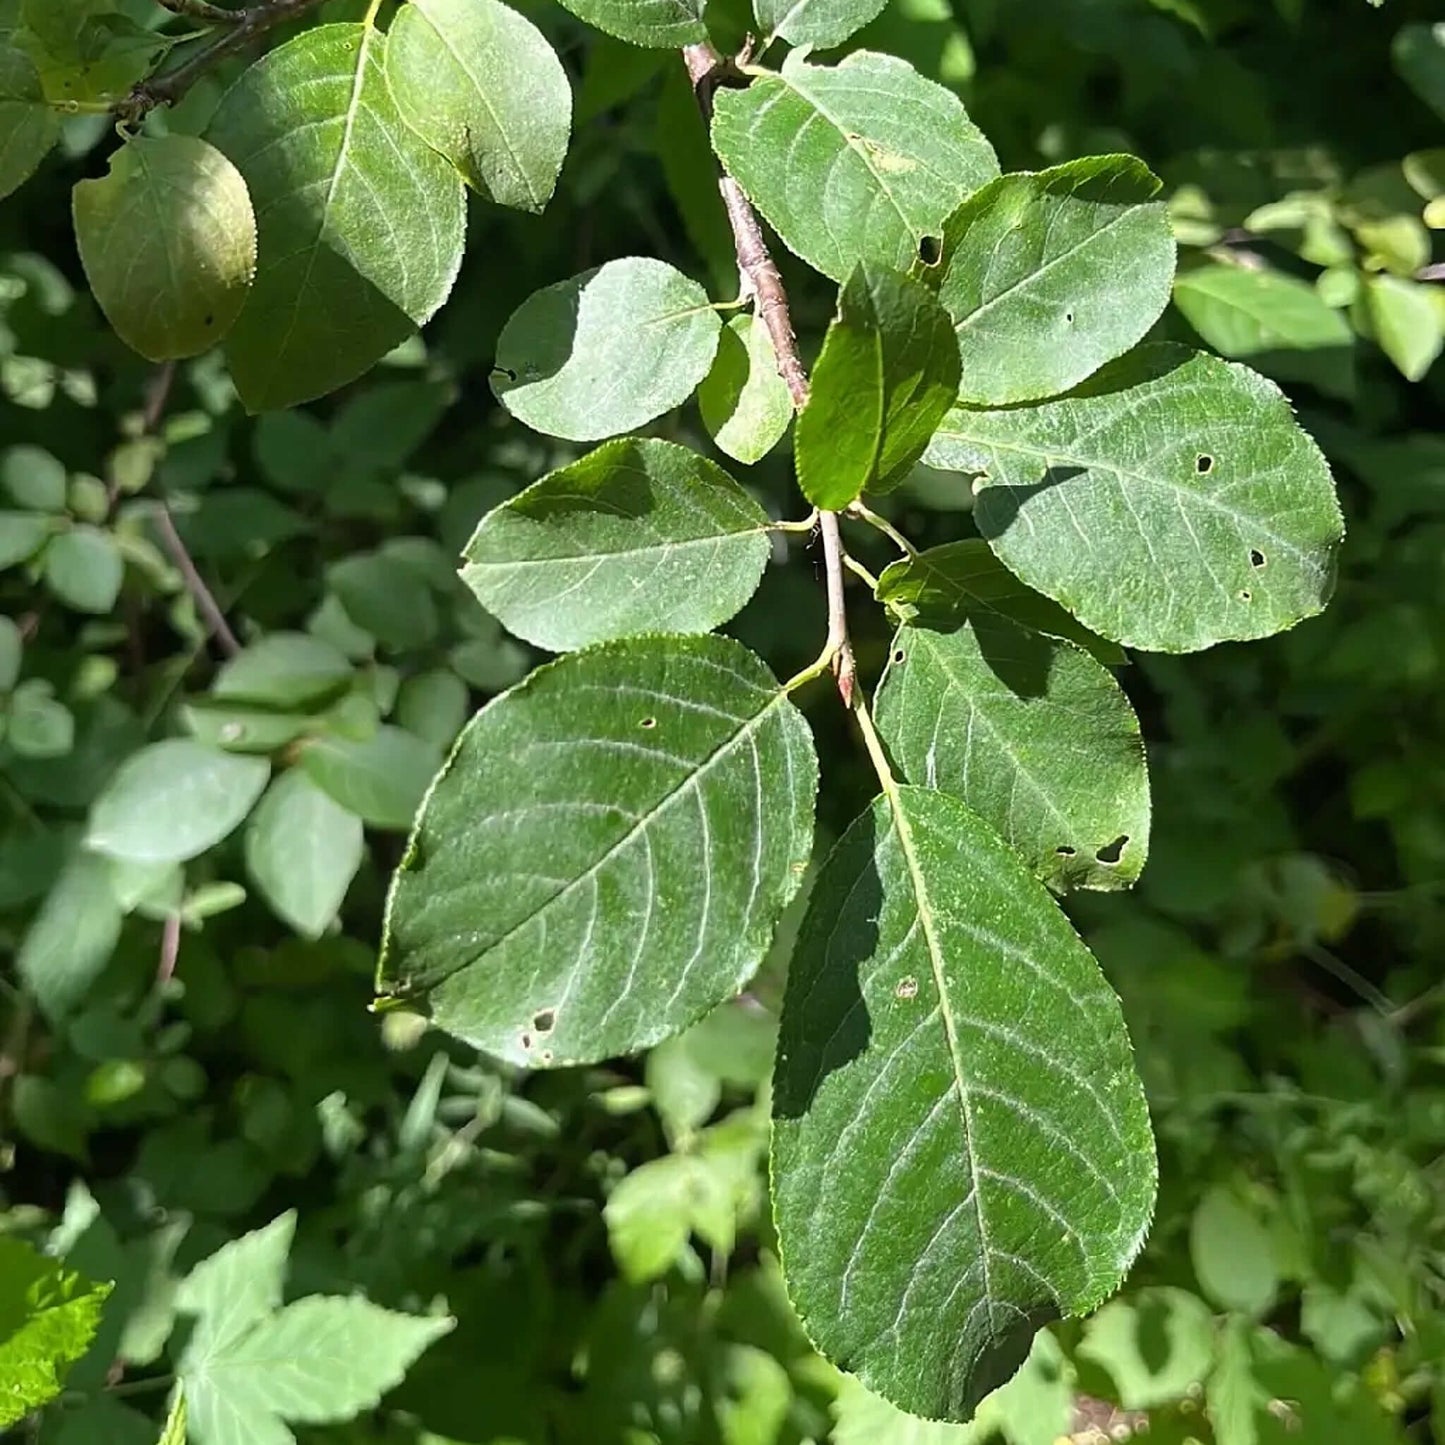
{"x": 882, "y": 524}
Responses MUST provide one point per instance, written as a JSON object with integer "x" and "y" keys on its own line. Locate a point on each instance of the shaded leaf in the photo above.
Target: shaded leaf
{"x": 662, "y": 23}
{"x": 22, "y": 535}
{"x": 637, "y": 537}
{"x": 744, "y": 403}
{"x": 285, "y": 670}
{"x": 71, "y": 938}
{"x": 607, "y": 852}
{"x": 1154, "y": 1345}
{"x": 28, "y": 126}
{"x": 1232, "y": 1255}
{"x": 83, "y": 568}
{"x": 1406, "y": 322}
{"x": 1419, "y": 54}
{"x": 381, "y": 779}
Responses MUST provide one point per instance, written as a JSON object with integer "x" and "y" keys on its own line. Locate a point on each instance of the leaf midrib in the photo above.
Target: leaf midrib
{"x": 561, "y": 559}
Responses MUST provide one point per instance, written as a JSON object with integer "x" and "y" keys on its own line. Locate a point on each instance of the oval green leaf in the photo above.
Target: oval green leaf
{"x": 818, "y": 24}
{"x": 606, "y": 351}
{"x": 361, "y": 223}
{"x": 481, "y": 85}
{"x": 1169, "y": 503}
{"x": 168, "y": 242}
{"x": 381, "y": 779}
{"x": 83, "y": 567}
{"x": 855, "y": 162}
{"x": 28, "y": 125}
{"x": 886, "y": 376}
{"x": 606, "y": 854}
{"x": 1048, "y": 276}
{"x": 639, "y": 536}
{"x": 173, "y": 800}
{"x": 664, "y": 24}
{"x": 961, "y": 1147}
{"x": 743, "y": 401}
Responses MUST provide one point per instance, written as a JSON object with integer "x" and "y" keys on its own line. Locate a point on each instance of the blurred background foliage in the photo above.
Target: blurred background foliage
{"x": 186, "y": 1051}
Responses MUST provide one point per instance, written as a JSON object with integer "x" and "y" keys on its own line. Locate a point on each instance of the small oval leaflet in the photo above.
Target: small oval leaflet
{"x": 744, "y": 403}
{"x": 639, "y": 536}
{"x": 610, "y": 844}
{"x": 168, "y": 241}
{"x": 607, "y": 351}
{"x": 961, "y": 1146}
{"x": 1138, "y": 500}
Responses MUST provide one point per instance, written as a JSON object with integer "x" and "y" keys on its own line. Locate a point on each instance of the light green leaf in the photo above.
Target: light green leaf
{"x": 302, "y": 851}
{"x": 11, "y": 648}
{"x": 656, "y": 1207}
{"x": 34, "y": 478}
{"x": 360, "y": 222}
{"x": 606, "y": 351}
{"x": 743, "y": 401}
{"x": 1186, "y": 475}
{"x": 1232, "y": 1255}
{"x": 168, "y": 241}
{"x": 664, "y": 24}
{"x": 818, "y": 24}
{"x": 174, "y": 1431}
{"x": 1155, "y": 1345}
{"x": 83, "y": 568}
{"x": 862, "y": 161}
{"x": 241, "y": 728}
{"x": 71, "y": 938}
{"x": 385, "y": 597}
{"x": 173, "y": 800}
{"x": 381, "y": 780}
{"x": 28, "y": 125}
{"x": 639, "y": 536}
{"x": 433, "y": 705}
{"x": 961, "y": 1147}
{"x": 1047, "y": 276}
{"x": 1028, "y": 730}
{"x": 285, "y": 670}
{"x": 22, "y": 535}
{"x": 607, "y": 852}
{"x": 1419, "y": 53}
{"x": 48, "y": 1316}
{"x": 886, "y": 376}
{"x": 480, "y": 84}
{"x": 1277, "y": 323}
{"x": 40, "y": 726}
{"x": 237, "y": 1286}
{"x": 1406, "y": 322}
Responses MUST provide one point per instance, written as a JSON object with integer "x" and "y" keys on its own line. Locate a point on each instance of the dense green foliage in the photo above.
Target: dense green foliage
{"x": 255, "y": 587}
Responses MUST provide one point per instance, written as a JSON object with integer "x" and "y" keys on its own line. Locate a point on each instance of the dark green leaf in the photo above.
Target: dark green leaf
{"x": 961, "y": 1148}
{"x": 381, "y": 780}
{"x": 1419, "y": 52}
{"x": 386, "y": 598}
{"x": 637, "y": 537}
{"x": 83, "y": 568}
{"x": 28, "y": 125}
{"x": 22, "y": 534}
{"x": 285, "y": 670}
{"x": 34, "y": 478}
{"x": 887, "y": 374}
{"x": 607, "y": 852}
{"x": 71, "y": 938}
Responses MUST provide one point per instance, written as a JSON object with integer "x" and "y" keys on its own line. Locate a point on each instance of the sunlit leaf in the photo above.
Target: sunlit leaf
{"x": 745, "y": 404}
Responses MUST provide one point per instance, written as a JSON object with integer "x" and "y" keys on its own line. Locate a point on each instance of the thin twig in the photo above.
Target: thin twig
{"x": 170, "y": 948}
{"x": 201, "y": 595}
{"x": 203, "y": 10}
{"x": 882, "y": 524}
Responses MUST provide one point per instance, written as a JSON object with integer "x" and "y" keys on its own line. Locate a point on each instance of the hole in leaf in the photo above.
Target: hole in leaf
{"x": 1069, "y": 317}
{"x": 649, "y": 722}
{"x": 1256, "y": 557}
{"x": 210, "y": 320}
{"x": 907, "y": 987}
{"x": 544, "y": 1020}
{"x": 1112, "y": 852}
{"x": 506, "y": 371}
{"x": 1064, "y": 851}
{"x": 526, "y": 1041}
{"x": 1246, "y": 595}
{"x": 546, "y": 1056}
{"x": 899, "y": 655}
{"x": 1204, "y": 464}
{"x": 930, "y": 250}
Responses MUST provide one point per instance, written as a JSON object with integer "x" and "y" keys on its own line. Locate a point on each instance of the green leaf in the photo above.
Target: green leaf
{"x": 656, "y": 1207}
{"x": 886, "y": 376}
{"x": 638, "y": 536}
{"x": 818, "y": 24}
{"x": 381, "y": 780}
{"x": 607, "y": 852}
{"x": 663, "y": 24}
{"x": 231, "y": 1290}
{"x": 242, "y": 728}
{"x": 28, "y": 125}
{"x": 1048, "y": 276}
{"x": 83, "y": 568}
{"x": 862, "y": 161}
{"x": 744, "y": 403}
{"x": 71, "y": 938}
{"x": 86, "y": 50}
{"x": 173, "y": 800}
{"x": 22, "y": 535}
{"x": 40, "y": 725}
{"x": 174, "y": 1430}
{"x": 1028, "y": 730}
{"x": 433, "y": 705}
{"x": 302, "y": 851}
{"x": 48, "y": 1316}
{"x": 1232, "y": 1254}
{"x": 1184, "y": 474}
{"x": 1155, "y": 1345}
{"x": 1277, "y": 323}
{"x": 1419, "y": 54}
{"x": 168, "y": 242}
{"x": 11, "y": 648}
{"x": 34, "y": 478}
{"x": 606, "y": 351}
{"x": 385, "y": 597}
{"x": 286, "y": 670}
{"x": 480, "y": 84}
{"x": 1406, "y": 322}
{"x": 961, "y": 1147}
{"x": 360, "y": 222}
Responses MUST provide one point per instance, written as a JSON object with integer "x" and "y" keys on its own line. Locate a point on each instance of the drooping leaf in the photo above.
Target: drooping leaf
{"x": 1169, "y": 503}
{"x": 83, "y": 568}
{"x": 381, "y": 779}
{"x": 28, "y": 125}
{"x": 1049, "y": 275}
{"x": 48, "y": 1316}
{"x": 72, "y": 936}
{"x": 744, "y": 403}
{"x": 1028, "y": 730}
{"x": 818, "y": 24}
{"x": 1275, "y": 322}
{"x": 637, "y": 537}
{"x": 360, "y": 222}
{"x": 665, "y": 24}
{"x": 606, "y": 351}
{"x": 302, "y": 851}
{"x": 168, "y": 241}
{"x": 173, "y": 800}
{"x": 961, "y": 1147}
{"x": 862, "y": 161}
{"x": 481, "y": 85}
{"x": 607, "y": 852}
{"x": 1406, "y": 322}
{"x": 886, "y": 376}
